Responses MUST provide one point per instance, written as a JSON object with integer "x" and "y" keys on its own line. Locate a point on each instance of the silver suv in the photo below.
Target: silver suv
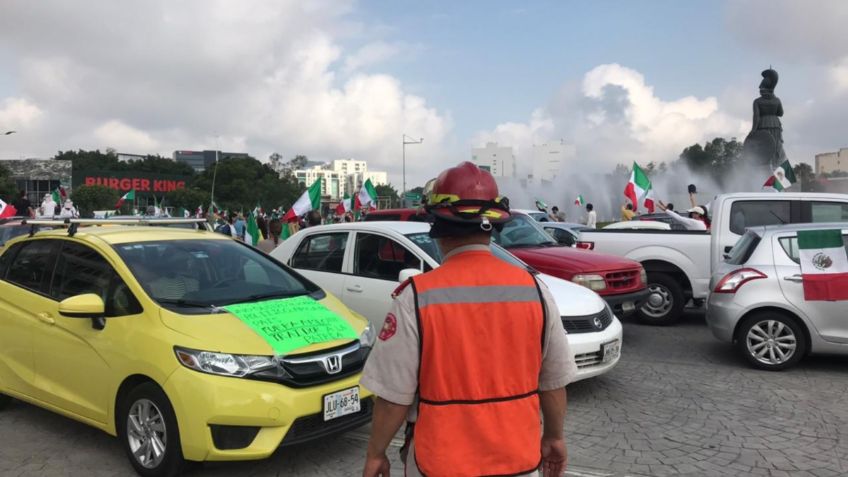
{"x": 757, "y": 301}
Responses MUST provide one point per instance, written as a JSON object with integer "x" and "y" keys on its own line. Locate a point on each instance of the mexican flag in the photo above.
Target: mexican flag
{"x": 639, "y": 187}
{"x": 6, "y": 210}
{"x": 251, "y": 233}
{"x": 59, "y": 195}
{"x": 579, "y": 201}
{"x": 310, "y": 200}
{"x": 824, "y": 264}
{"x": 128, "y": 196}
{"x": 782, "y": 177}
{"x": 367, "y": 196}
{"x": 344, "y": 206}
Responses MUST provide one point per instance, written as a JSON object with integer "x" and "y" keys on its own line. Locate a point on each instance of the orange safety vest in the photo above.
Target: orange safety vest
{"x": 481, "y": 325}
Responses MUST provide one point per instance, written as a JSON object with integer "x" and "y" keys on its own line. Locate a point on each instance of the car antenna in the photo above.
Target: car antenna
{"x": 783, "y": 222}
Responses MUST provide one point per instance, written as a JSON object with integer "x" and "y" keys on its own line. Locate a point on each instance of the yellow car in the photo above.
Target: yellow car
{"x": 186, "y": 345}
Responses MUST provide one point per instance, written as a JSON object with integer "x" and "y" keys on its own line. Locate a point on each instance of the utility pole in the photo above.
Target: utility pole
{"x": 407, "y": 140}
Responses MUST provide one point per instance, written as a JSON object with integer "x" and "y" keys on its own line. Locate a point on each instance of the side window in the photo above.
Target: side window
{"x": 382, "y": 258}
{"x": 32, "y": 265}
{"x": 790, "y": 246}
{"x": 81, "y": 270}
{"x": 7, "y": 257}
{"x": 830, "y": 212}
{"x": 752, "y": 213}
{"x": 321, "y": 252}
{"x": 564, "y": 237}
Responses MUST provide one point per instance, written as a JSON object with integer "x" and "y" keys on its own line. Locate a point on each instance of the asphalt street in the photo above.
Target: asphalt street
{"x": 678, "y": 403}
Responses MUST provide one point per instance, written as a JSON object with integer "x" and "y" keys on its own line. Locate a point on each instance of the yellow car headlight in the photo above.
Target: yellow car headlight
{"x": 223, "y": 364}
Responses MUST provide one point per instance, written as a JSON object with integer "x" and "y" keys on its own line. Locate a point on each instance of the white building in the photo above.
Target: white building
{"x": 332, "y": 186}
{"x": 829, "y": 162}
{"x": 499, "y": 160}
{"x": 548, "y": 159}
{"x": 341, "y": 177}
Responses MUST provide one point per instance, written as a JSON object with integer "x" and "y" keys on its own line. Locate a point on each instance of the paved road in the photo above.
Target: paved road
{"x": 679, "y": 403}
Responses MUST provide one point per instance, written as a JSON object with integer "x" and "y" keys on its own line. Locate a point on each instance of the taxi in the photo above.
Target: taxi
{"x": 185, "y": 344}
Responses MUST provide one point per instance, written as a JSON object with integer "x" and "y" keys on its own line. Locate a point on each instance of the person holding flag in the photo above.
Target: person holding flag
{"x": 309, "y": 200}
{"x": 129, "y": 196}
{"x": 367, "y": 197}
{"x": 639, "y": 189}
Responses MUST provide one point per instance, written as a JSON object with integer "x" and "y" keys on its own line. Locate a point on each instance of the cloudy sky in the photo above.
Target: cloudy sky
{"x": 622, "y": 80}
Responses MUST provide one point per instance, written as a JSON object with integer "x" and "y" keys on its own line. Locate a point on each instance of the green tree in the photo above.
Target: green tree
{"x": 389, "y": 193}
{"x": 87, "y": 199}
{"x": 299, "y": 162}
{"x": 92, "y": 160}
{"x": 806, "y": 178}
{"x": 243, "y": 182}
{"x": 8, "y": 190}
{"x": 717, "y": 158}
{"x": 188, "y": 198}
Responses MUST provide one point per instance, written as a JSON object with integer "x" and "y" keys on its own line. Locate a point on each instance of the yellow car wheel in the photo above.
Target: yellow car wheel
{"x": 147, "y": 428}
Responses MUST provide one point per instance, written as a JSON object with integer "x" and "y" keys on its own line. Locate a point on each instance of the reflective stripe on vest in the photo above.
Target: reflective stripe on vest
{"x": 481, "y": 328}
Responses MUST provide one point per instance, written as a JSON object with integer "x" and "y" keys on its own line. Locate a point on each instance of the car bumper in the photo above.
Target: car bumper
{"x": 627, "y": 303}
{"x": 587, "y": 349}
{"x": 723, "y": 313}
{"x": 278, "y": 415}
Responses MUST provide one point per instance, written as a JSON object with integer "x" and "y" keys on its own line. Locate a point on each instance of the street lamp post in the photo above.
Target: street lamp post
{"x": 407, "y": 140}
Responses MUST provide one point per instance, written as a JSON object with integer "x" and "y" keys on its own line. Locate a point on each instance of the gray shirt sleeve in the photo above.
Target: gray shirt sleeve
{"x": 391, "y": 371}
{"x": 558, "y": 366}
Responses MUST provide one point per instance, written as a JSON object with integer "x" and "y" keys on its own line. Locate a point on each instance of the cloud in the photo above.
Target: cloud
{"x": 18, "y": 113}
{"x": 613, "y": 116}
{"x": 262, "y": 77}
{"x": 370, "y": 54}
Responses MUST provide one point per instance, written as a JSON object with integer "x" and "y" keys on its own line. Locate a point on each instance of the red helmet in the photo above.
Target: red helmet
{"x": 467, "y": 194}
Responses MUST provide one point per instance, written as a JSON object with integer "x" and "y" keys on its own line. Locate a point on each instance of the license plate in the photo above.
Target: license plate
{"x": 341, "y": 403}
{"x": 611, "y": 350}
{"x": 628, "y": 306}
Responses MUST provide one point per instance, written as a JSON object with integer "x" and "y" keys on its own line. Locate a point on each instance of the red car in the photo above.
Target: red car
{"x": 620, "y": 281}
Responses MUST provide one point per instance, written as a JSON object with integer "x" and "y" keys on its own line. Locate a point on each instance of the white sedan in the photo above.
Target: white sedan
{"x": 362, "y": 263}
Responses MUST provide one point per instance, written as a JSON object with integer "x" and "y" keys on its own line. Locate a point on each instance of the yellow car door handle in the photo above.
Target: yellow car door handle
{"x": 45, "y": 318}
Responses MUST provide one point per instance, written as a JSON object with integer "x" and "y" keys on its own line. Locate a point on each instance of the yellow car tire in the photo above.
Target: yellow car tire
{"x": 147, "y": 429}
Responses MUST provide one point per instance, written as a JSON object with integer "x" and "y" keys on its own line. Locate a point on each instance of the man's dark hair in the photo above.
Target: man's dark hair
{"x": 555, "y": 209}
{"x": 313, "y": 218}
{"x": 629, "y": 206}
{"x": 669, "y": 207}
{"x": 590, "y": 207}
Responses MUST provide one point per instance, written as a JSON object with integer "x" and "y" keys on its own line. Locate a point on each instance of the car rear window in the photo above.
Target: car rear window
{"x": 741, "y": 252}
{"x": 753, "y": 213}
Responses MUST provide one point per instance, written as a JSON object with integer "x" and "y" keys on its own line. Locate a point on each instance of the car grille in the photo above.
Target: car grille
{"x": 621, "y": 280}
{"x": 587, "y": 323}
{"x": 314, "y": 426}
{"x": 587, "y": 360}
{"x": 303, "y": 370}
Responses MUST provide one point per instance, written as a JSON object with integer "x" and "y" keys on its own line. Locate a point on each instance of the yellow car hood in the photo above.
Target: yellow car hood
{"x": 223, "y": 332}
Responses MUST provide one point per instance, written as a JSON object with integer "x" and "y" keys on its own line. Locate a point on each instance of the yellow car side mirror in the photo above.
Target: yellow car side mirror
{"x": 88, "y": 305}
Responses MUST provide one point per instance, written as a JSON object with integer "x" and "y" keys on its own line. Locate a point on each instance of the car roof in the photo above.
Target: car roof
{"x": 117, "y": 234}
{"x": 402, "y": 228}
{"x": 773, "y": 229}
{"x": 526, "y": 211}
{"x": 564, "y": 225}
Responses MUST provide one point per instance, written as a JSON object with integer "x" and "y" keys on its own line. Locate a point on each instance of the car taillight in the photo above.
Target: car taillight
{"x": 586, "y": 245}
{"x": 731, "y": 282}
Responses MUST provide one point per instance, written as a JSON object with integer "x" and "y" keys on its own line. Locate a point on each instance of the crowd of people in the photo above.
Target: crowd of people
{"x": 48, "y": 208}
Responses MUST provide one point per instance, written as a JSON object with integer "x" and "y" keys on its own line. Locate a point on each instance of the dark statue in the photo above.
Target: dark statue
{"x": 764, "y": 144}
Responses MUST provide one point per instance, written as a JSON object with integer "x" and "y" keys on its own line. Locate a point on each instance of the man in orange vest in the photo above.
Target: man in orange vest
{"x": 472, "y": 355}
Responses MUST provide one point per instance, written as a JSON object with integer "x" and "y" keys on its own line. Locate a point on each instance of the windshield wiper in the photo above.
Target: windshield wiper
{"x": 265, "y": 296}
{"x": 185, "y": 303}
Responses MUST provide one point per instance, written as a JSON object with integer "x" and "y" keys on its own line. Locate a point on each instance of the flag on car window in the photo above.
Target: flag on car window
{"x": 824, "y": 264}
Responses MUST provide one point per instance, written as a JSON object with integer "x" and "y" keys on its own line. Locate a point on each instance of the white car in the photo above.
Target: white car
{"x": 362, "y": 263}
{"x": 638, "y": 225}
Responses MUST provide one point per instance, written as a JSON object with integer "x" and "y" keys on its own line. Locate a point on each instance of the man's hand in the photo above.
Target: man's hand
{"x": 377, "y": 466}
{"x": 554, "y": 457}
